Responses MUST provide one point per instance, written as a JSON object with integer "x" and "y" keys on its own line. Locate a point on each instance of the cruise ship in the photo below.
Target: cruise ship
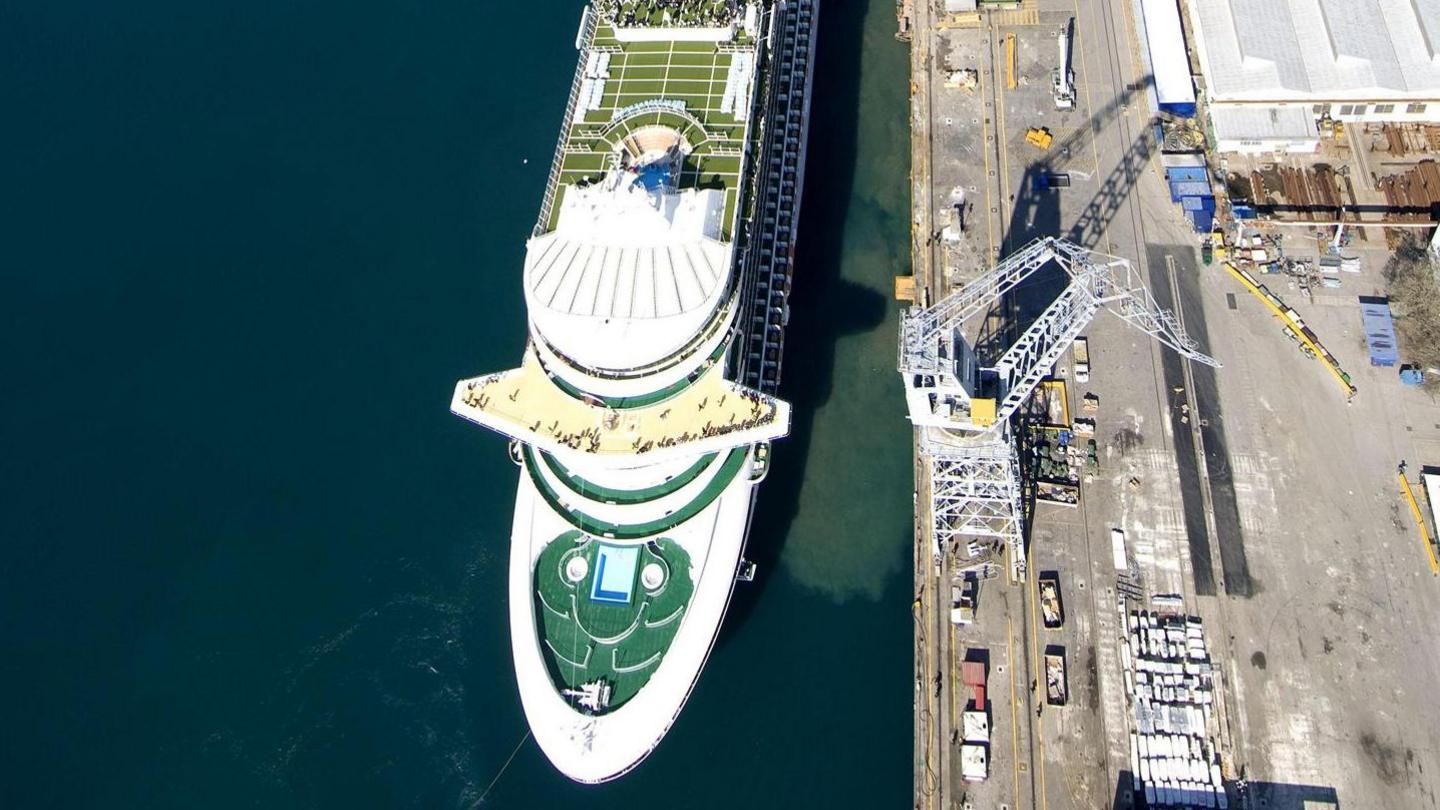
{"x": 656, "y": 283}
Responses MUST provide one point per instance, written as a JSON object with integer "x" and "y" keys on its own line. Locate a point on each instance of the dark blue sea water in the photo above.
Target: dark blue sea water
{"x": 249, "y": 558}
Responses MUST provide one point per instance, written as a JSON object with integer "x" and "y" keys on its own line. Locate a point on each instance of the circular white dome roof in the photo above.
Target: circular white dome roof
{"x": 630, "y": 274}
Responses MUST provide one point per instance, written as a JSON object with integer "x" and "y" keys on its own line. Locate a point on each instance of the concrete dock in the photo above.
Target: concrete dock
{"x": 1255, "y": 494}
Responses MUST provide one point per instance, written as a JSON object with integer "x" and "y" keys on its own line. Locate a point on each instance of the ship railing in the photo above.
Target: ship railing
{"x": 583, "y": 43}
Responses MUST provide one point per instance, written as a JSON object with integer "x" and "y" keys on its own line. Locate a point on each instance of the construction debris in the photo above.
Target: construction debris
{"x": 964, "y": 79}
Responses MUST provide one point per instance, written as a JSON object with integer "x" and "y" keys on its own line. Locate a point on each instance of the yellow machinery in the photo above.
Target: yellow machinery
{"x": 1056, "y": 394}
{"x": 1039, "y": 137}
{"x": 982, "y": 411}
{"x": 1010, "y": 70}
{"x": 1294, "y": 325}
{"x": 1419, "y": 521}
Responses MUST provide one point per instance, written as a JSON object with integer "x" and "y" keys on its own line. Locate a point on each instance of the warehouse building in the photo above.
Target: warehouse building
{"x": 1274, "y": 68}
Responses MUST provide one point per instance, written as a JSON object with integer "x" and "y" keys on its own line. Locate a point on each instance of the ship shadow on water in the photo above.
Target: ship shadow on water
{"x": 825, "y": 307}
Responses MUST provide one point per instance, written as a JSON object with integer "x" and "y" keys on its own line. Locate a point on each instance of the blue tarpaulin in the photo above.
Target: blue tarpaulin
{"x": 1379, "y": 331}
{"x": 1187, "y": 174}
{"x": 1180, "y": 189}
{"x": 1200, "y": 210}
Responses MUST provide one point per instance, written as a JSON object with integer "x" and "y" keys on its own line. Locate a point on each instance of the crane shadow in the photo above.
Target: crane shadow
{"x": 1039, "y": 210}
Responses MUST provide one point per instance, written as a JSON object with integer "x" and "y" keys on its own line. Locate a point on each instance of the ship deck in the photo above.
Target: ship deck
{"x": 708, "y": 414}
{"x": 690, "y": 72}
{"x": 593, "y": 634}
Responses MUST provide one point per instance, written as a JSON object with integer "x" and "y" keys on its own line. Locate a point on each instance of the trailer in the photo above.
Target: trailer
{"x": 1058, "y": 493}
{"x": 1055, "y": 689}
{"x": 1081, "y": 351}
{"x": 974, "y": 764}
{"x": 1050, "y": 608}
{"x": 1169, "y": 62}
{"x": 962, "y": 602}
{"x": 1062, "y": 78}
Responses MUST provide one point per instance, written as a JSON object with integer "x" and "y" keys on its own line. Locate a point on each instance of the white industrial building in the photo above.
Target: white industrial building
{"x": 1273, "y": 68}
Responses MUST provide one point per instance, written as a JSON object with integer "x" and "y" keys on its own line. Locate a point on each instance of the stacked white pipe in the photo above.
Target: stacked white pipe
{"x": 1169, "y": 681}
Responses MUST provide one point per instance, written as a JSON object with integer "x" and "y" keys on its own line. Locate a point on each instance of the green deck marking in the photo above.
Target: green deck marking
{"x": 622, "y": 644}
{"x": 644, "y": 400}
{"x": 690, "y": 72}
{"x": 635, "y": 531}
{"x": 596, "y": 492}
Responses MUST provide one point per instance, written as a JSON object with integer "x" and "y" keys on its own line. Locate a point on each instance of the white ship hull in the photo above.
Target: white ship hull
{"x": 639, "y": 450}
{"x": 596, "y": 749}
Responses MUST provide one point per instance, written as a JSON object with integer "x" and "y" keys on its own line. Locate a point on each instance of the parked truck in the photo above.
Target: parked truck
{"x": 1050, "y": 608}
{"x": 962, "y": 601}
{"x": 1055, "y": 691}
{"x": 1081, "y": 351}
{"x": 1062, "y": 78}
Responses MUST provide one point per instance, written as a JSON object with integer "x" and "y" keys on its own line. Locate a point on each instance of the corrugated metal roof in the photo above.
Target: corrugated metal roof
{"x": 1318, "y": 50}
{"x": 1263, "y": 123}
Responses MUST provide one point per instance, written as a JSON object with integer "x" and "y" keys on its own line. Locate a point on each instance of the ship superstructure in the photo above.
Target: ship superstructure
{"x": 639, "y": 452}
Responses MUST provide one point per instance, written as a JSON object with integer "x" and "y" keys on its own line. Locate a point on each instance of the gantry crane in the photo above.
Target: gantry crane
{"x": 962, "y": 403}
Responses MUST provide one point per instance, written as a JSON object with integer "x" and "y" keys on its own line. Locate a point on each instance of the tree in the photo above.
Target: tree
{"x": 1415, "y": 301}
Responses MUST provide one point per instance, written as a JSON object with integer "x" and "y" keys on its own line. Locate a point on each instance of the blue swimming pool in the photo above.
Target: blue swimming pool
{"x": 614, "y": 573}
{"x": 655, "y": 175}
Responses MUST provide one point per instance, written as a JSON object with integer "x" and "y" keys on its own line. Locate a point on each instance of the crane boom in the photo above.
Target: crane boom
{"x": 962, "y": 406}
{"x": 949, "y": 386}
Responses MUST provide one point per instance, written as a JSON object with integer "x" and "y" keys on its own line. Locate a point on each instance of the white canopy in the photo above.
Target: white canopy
{"x": 630, "y": 274}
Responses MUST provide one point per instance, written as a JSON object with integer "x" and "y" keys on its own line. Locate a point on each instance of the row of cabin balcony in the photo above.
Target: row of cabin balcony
{"x": 773, "y": 205}
{"x": 786, "y": 182}
{"x": 779, "y": 272}
{"x": 770, "y": 355}
{"x": 776, "y": 280}
{"x": 772, "y": 334}
{"x": 786, "y": 169}
{"x": 775, "y": 297}
{"x": 762, "y": 345}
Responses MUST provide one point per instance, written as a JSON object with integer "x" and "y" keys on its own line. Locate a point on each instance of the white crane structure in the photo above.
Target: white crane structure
{"x": 962, "y": 404}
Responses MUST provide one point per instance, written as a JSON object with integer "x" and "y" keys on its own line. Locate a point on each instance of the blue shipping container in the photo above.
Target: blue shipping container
{"x": 1200, "y": 210}
{"x": 1379, "y": 331}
